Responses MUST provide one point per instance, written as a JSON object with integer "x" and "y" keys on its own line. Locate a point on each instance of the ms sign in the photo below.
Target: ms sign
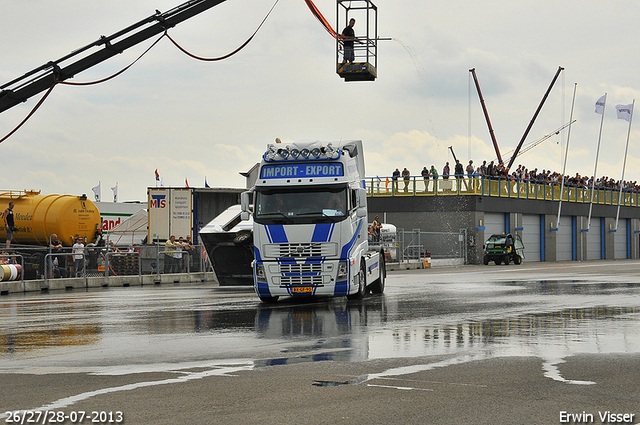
{"x": 158, "y": 201}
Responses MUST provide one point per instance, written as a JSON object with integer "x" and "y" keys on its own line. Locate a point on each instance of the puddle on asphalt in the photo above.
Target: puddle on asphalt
{"x": 337, "y": 330}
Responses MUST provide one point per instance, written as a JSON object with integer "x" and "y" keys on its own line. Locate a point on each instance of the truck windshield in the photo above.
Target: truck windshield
{"x": 303, "y": 205}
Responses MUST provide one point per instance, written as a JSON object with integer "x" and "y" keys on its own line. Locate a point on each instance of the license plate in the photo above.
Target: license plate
{"x": 302, "y": 289}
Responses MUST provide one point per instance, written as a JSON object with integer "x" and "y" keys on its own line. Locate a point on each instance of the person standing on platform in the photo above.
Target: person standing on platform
{"x": 434, "y": 172}
{"x": 395, "y": 176}
{"x": 348, "y": 35}
{"x": 9, "y": 224}
{"x": 425, "y": 176}
{"x": 446, "y": 171}
{"x": 405, "y": 176}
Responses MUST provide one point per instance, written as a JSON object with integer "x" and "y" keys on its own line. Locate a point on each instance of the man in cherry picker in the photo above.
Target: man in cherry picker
{"x": 348, "y": 35}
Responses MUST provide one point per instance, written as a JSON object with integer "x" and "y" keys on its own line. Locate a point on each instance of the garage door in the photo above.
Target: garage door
{"x": 620, "y": 240}
{"x": 564, "y": 239}
{"x": 494, "y": 223}
{"x": 531, "y": 236}
{"x": 594, "y": 244}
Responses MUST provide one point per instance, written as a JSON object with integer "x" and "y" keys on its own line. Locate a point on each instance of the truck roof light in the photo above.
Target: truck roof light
{"x": 295, "y": 153}
{"x": 316, "y": 152}
{"x": 304, "y": 153}
{"x": 284, "y": 154}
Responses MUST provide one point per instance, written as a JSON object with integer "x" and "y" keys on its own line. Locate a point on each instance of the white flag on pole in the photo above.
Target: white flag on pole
{"x": 96, "y": 191}
{"x": 115, "y": 192}
{"x": 624, "y": 112}
{"x": 600, "y": 105}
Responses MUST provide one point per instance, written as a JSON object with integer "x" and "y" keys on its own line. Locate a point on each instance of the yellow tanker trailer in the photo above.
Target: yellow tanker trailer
{"x": 38, "y": 216}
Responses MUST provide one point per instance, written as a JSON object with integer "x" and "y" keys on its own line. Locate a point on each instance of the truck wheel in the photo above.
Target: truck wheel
{"x": 506, "y": 260}
{"x": 485, "y": 260}
{"x": 377, "y": 287}
{"x": 269, "y": 300}
{"x": 362, "y": 284}
{"x": 517, "y": 260}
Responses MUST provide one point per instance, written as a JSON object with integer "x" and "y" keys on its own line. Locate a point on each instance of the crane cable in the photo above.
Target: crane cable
{"x": 228, "y": 54}
{"x": 166, "y": 34}
{"x": 41, "y": 101}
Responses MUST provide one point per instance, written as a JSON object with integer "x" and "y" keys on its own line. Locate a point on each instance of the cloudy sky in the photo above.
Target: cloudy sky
{"x": 192, "y": 119}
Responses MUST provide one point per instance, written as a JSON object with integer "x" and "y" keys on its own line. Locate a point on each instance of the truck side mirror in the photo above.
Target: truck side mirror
{"x": 362, "y": 202}
{"x": 245, "y": 205}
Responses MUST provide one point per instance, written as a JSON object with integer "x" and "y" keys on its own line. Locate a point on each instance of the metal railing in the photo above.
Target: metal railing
{"x": 498, "y": 187}
{"x": 109, "y": 261}
{"x": 51, "y": 259}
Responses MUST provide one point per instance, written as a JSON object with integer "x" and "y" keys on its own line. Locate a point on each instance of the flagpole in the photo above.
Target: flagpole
{"x": 624, "y": 163}
{"x": 564, "y": 167}
{"x": 595, "y": 167}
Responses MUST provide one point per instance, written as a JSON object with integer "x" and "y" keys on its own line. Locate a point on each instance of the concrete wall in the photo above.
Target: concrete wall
{"x": 44, "y": 285}
{"x": 455, "y": 212}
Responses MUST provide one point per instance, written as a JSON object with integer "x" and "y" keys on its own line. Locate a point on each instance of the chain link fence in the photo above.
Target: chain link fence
{"x": 415, "y": 245}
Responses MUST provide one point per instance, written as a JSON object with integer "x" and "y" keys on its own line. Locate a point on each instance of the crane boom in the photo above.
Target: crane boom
{"x": 535, "y": 115}
{"x": 44, "y": 76}
{"x": 486, "y": 115}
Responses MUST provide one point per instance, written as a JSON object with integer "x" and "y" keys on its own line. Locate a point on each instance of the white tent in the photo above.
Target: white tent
{"x": 130, "y": 231}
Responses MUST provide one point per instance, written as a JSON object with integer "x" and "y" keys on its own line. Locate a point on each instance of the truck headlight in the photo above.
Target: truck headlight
{"x": 343, "y": 269}
{"x": 260, "y": 275}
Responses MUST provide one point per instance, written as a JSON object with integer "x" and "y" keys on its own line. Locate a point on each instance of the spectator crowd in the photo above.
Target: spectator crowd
{"x": 499, "y": 171}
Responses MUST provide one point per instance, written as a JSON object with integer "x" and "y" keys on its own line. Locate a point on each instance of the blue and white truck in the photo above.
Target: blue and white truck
{"x": 309, "y": 208}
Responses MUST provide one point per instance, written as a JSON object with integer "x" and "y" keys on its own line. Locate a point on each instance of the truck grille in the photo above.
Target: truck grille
{"x": 293, "y": 250}
{"x": 300, "y": 280}
{"x": 300, "y": 268}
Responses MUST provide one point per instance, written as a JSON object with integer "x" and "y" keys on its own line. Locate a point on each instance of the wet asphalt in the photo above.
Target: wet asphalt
{"x": 539, "y": 343}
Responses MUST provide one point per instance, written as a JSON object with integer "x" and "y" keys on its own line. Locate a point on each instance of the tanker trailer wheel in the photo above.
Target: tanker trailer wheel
{"x": 362, "y": 284}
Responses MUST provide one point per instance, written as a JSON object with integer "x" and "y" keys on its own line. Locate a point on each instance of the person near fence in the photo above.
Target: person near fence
{"x": 78, "y": 258}
{"x": 54, "y": 266}
{"x": 425, "y": 176}
{"x": 458, "y": 170}
{"x": 395, "y": 176}
{"x": 470, "y": 169}
{"x": 169, "y": 251}
{"x": 189, "y": 252}
{"x": 406, "y": 175}
{"x": 434, "y": 172}
{"x": 177, "y": 256}
{"x": 445, "y": 171}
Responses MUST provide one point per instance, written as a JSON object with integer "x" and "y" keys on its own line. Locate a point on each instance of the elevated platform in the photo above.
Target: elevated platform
{"x": 357, "y": 71}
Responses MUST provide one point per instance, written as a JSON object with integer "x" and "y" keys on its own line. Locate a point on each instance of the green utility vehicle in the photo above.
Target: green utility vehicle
{"x": 503, "y": 249}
